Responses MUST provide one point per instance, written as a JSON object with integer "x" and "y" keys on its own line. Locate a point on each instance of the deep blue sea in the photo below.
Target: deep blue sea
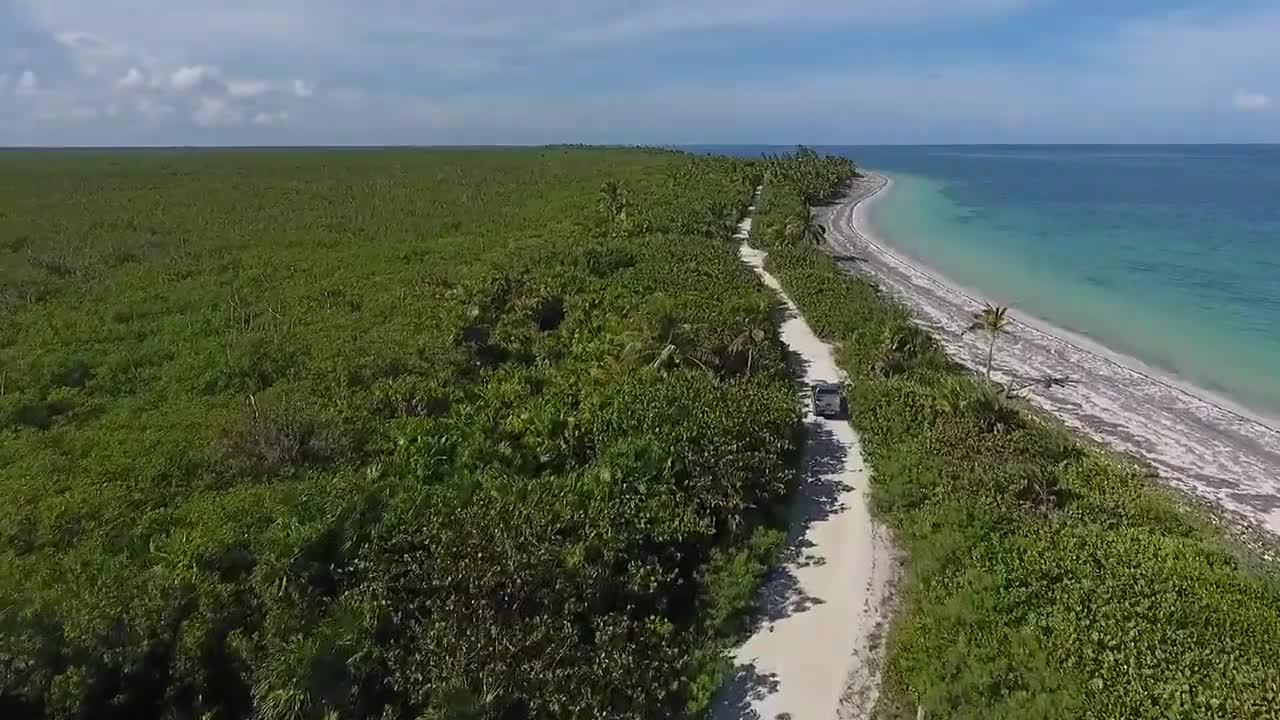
{"x": 1169, "y": 254}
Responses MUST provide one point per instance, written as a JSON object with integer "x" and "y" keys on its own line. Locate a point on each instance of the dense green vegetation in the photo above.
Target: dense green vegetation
{"x": 482, "y": 434}
{"x": 1046, "y": 579}
{"x": 502, "y": 434}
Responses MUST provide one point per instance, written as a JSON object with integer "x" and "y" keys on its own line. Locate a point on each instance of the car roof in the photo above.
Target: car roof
{"x": 825, "y": 386}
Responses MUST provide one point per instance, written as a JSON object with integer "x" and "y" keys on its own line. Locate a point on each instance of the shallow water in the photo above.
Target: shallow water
{"x": 1169, "y": 255}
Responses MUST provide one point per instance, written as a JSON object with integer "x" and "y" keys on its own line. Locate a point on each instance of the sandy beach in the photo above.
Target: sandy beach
{"x": 1195, "y": 441}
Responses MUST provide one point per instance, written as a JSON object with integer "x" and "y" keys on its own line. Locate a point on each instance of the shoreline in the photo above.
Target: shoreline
{"x": 1200, "y": 442}
{"x": 1079, "y": 340}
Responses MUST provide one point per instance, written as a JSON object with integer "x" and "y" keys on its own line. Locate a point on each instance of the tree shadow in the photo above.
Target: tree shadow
{"x": 797, "y": 363}
{"x": 780, "y": 312}
{"x": 837, "y": 196}
{"x": 747, "y": 687}
{"x": 799, "y": 366}
{"x": 849, "y": 258}
{"x": 817, "y": 499}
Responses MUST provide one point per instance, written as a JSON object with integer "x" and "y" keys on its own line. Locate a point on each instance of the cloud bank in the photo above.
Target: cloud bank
{"x": 667, "y": 71}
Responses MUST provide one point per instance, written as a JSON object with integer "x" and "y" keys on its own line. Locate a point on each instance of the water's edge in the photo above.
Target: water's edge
{"x": 1081, "y": 341}
{"x": 1200, "y": 442}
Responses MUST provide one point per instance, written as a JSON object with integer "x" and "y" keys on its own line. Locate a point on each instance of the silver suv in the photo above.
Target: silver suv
{"x": 828, "y": 400}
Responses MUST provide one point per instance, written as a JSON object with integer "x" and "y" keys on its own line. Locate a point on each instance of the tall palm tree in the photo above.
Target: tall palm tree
{"x": 991, "y": 320}
{"x": 613, "y": 199}
{"x": 748, "y": 340}
{"x": 668, "y": 344}
{"x": 810, "y": 231}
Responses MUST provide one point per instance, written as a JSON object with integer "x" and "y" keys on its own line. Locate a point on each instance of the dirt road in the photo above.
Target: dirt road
{"x": 814, "y": 654}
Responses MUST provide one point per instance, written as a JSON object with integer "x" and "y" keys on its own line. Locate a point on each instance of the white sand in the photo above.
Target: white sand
{"x": 1198, "y": 443}
{"x": 815, "y": 653}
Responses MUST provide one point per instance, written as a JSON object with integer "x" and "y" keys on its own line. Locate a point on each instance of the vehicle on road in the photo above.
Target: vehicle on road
{"x": 828, "y": 400}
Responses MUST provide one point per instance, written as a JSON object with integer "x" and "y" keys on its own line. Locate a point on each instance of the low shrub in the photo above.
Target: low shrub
{"x": 268, "y": 440}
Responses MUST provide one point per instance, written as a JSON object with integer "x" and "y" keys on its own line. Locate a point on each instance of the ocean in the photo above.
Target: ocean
{"x": 1170, "y": 255}
{"x": 1166, "y": 254}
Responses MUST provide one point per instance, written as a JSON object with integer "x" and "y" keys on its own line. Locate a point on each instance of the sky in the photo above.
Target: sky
{"x": 386, "y": 72}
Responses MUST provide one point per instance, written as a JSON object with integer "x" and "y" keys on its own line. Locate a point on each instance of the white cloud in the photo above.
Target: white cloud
{"x": 166, "y": 26}
{"x": 152, "y": 109}
{"x": 247, "y": 88}
{"x": 28, "y": 83}
{"x": 79, "y": 39}
{"x": 266, "y": 119}
{"x": 4, "y": 82}
{"x": 216, "y": 112}
{"x": 195, "y": 77}
{"x": 82, "y": 112}
{"x": 579, "y": 24}
{"x": 210, "y": 80}
{"x": 1250, "y": 101}
{"x": 93, "y": 54}
{"x": 303, "y": 89}
{"x": 132, "y": 79}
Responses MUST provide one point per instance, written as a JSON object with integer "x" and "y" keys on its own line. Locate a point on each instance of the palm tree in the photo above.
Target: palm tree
{"x": 1044, "y": 381}
{"x": 903, "y": 347}
{"x": 613, "y": 199}
{"x": 748, "y": 340}
{"x": 992, "y": 320}
{"x": 669, "y": 344}
{"x": 810, "y": 231}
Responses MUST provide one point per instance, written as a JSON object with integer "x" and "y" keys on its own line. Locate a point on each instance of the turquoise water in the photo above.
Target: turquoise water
{"x": 1167, "y": 254}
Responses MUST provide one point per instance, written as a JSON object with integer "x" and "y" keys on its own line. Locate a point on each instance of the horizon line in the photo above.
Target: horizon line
{"x": 468, "y": 146}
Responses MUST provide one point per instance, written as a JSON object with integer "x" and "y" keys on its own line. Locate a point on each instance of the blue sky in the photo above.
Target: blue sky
{"x": 160, "y": 72}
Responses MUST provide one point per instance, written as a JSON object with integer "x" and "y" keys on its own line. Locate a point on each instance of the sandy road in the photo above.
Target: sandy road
{"x": 815, "y": 651}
